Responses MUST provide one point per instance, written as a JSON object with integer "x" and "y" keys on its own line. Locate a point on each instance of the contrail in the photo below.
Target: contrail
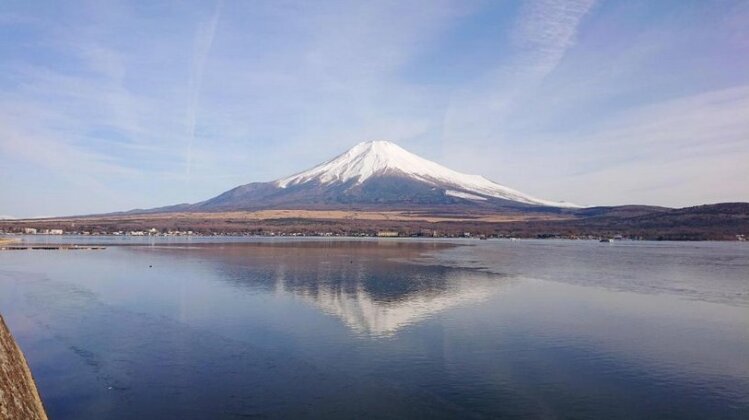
{"x": 202, "y": 47}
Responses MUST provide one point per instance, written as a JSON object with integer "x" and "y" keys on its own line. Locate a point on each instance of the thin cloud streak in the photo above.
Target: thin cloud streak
{"x": 203, "y": 42}
{"x": 170, "y": 102}
{"x": 546, "y": 30}
{"x": 689, "y": 150}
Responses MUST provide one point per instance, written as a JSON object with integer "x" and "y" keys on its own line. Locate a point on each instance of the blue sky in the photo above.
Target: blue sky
{"x": 108, "y": 105}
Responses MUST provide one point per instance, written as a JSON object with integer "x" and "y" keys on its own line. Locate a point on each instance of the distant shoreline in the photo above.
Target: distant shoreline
{"x": 101, "y": 242}
{"x": 724, "y": 222}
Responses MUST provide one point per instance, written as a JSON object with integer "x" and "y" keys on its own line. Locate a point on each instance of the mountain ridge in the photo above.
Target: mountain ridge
{"x": 373, "y": 175}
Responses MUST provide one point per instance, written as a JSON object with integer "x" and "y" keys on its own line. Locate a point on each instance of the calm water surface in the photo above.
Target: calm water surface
{"x": 375, "y": 329}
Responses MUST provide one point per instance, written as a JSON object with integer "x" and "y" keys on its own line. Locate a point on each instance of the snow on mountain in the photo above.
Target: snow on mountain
{"x": 467, "y": 196}
{"x": 373, "y": 158}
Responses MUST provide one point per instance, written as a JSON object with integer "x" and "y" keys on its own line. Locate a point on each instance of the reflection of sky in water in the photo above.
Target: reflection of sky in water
{"x": 704, "y": 271}
{"x": 334, "y": 329}
{"x": 372, "y": 297}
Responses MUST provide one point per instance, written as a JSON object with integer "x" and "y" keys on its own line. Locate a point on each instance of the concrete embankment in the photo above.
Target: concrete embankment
{"x": 19, "y": 398}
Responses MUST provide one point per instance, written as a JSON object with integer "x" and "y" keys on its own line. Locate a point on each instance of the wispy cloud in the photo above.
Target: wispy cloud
{"x": 676, "y": 152}
{"x": 543, "y": 33}
{"x": 585, "y": 101}
{"x": 546, "y": 29}
{"x": 204, "y": 36}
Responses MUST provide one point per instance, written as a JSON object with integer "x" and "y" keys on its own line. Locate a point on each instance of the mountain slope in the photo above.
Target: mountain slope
{"x": 376, "y": 174}
{"x": 381, "y": 158}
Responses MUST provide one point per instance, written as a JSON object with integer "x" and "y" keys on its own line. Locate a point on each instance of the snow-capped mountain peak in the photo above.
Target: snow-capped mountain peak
{"x": 361, "y": 162}
{"x": 369, "y": 159}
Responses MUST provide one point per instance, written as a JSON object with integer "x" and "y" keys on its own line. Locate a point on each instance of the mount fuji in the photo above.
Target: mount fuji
{"x": 378, "y": 186}
{"x": 373, "y": 175}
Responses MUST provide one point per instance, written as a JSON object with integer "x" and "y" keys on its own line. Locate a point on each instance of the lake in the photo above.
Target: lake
{"x": 233, "y": 328}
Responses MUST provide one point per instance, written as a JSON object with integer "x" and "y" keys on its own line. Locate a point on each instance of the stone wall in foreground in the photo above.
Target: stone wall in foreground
{"x": 19, "y": 398}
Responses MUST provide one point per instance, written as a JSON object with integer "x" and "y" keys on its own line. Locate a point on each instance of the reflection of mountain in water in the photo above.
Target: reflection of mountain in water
{"x": 368, "y": 306}
{"x": 357, "y": 281}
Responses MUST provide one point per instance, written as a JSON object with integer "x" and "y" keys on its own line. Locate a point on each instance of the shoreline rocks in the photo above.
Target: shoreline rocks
{"x": 19, "y": 398}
